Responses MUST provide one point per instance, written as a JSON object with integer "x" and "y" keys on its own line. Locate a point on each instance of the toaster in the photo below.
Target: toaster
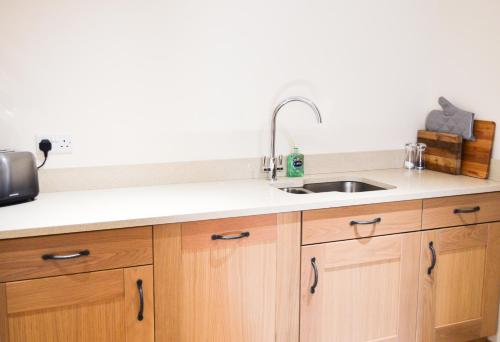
{"x": 18, "y": 177}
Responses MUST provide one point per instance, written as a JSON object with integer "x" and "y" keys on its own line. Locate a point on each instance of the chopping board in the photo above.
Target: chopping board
{"x": 444, "y": 151}
{"x": 476, "y": 155}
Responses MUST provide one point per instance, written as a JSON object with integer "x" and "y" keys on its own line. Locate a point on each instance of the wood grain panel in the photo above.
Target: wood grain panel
{"x": 21, "y": 258}
{"x": 492, "y": 282}
{"x": 229, "y": 292}
{"x": 367, "y": 251}
{"x": 438, "y": 212}
{"x": 136, "y": 330}
{"x": 458, "y": 301}
{"x": 288, "y": 277}
{"x": 4, "y": 323}
{"x": 235, "y": 290}
{"x": 460, "y": 275}
{"x": 426, "y": 331}
{"x": 168, "y": 282}
{"x": 444, "y": 151}
{"x": 47, "y": 293}
{"x": 325, "y": 225}
{"x": 76, "y": 308}
{"x": 462, "y": 238}
{"x": 96, "y": 322}
{"x": 476, "y": 155}
{"x": 365, "y": 300}
{"x": 459, "y": 332}
{"x": 198, "y": 234}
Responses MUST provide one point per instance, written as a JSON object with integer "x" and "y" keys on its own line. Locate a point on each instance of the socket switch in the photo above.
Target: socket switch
{"x": 61, "y": 144}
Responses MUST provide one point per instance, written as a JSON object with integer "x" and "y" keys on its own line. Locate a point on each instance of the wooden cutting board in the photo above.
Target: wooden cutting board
{"x": 444, "y": 151}
{"x": 476, "y": 154}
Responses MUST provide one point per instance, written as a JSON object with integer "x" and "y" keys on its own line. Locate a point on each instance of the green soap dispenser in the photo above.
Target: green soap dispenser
{"x": 295, "y": 164}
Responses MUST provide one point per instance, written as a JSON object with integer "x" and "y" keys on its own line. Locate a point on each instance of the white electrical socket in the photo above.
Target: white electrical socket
{"x": 61, "y": 144}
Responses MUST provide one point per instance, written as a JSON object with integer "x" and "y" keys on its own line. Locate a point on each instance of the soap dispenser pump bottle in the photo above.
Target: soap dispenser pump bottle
{"x": 295, "y": 164}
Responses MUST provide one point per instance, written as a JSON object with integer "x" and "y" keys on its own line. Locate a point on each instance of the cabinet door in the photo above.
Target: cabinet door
{"x": 459, "y": 283}
{"x": 228, "y": 280}
{"x": 360, "y": 290}
{"x": 88, "y": 307}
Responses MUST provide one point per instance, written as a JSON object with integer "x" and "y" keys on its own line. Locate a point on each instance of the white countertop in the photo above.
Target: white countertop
{"x": 66, "y": 212}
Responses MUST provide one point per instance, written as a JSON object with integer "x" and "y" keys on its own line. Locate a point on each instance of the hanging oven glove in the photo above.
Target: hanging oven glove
{"x": 451, "y": 120}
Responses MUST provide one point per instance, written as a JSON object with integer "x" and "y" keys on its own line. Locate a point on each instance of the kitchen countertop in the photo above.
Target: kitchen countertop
{"x": 67, "y": 212}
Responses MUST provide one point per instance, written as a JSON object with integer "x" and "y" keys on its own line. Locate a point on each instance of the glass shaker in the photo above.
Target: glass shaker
{"x": 420, "y": 160}
{"x": 410, "y": 149}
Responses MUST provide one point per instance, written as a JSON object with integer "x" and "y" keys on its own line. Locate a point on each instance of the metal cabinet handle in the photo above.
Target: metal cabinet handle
{"x": 433, "y": 261}
{"x": 83, "y": 253}
{"x": 315, "y": 269}
{"x": 140, "y": 315}
{"x": 466, "y": 210}
{"x": 230, "y": 237}
{"x": 376, "y": 220}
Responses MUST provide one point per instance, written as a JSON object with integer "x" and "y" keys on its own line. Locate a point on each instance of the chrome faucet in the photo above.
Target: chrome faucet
{"x": 274, "y": 163}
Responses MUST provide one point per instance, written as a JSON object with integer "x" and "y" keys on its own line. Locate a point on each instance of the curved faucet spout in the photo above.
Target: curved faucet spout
{"x": 273, "y": 159}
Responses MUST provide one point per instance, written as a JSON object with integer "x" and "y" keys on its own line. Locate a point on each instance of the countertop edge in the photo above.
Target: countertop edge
{"x": 150, "y": 221}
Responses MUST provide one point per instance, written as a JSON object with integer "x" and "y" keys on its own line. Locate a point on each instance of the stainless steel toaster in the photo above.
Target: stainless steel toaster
{"x": 18, "y": 177}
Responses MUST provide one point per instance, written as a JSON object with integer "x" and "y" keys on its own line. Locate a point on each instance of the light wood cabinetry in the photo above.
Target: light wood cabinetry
{"x": 459, "y": 283}
{"x": 98, "y": 306}
{"x": 228, "y": 280}
{"x": 361, "y": 221}
{"x": 362, "y": 290}
{"x": 356, "y": 274}
{"x": 78, "y": 287}
{"x": 23, "y": 258}
{"x": 460, "y": 210}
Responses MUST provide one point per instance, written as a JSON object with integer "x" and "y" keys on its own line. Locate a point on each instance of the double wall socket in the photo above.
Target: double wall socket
{"x": 61, "y": 144}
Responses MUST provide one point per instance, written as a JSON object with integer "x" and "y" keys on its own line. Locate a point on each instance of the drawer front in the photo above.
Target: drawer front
{"x": 54, "y": 255}
{"x": 229, "y": 232}
{"x": 354, "y": 222}
{"x": 461, "y": 210}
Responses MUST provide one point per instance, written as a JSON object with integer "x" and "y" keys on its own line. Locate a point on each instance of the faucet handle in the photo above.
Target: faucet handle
{"x": 266, "y": 164}
{"x": 279, "y": 165}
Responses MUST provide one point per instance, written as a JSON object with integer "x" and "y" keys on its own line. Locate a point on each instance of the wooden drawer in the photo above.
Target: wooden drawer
{"x": 461, "y": 210}
{"x": 228, "y": 232}
{"x": 334, "y": 224}
{"x": 23, "y": 258}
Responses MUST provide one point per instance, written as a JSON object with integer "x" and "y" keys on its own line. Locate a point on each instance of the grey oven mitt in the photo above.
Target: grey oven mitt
{"x": 451, "y": 120}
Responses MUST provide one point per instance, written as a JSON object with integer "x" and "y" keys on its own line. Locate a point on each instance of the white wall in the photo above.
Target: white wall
{"x": 157, "y": 81}
{"x": 467, "y": 57}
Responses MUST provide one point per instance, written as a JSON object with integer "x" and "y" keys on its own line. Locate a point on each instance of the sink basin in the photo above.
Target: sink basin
{"x": 296, "y": 190}
{"x": 338, "y": 186}
{"x": 342, "y": 186}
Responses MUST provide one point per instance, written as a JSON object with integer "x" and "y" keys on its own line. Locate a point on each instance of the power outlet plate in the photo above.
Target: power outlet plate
{"x": 61, "y": 144}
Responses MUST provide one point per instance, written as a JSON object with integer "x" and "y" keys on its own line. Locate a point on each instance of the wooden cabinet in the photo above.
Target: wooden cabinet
{"x": 97, "y": 306}
{"x": 460, "y": 210}
{"x": 360, "y": 290}
{"x": 38, "y": 257}
{"x": 362, "y": 221}
{"x": 459, "y": 283}
{"x": 228, "y": 280}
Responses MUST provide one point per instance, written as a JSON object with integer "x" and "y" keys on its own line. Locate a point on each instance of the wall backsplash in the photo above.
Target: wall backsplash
{"x": 137, "y": 82}
{"x": 107, "y": 177}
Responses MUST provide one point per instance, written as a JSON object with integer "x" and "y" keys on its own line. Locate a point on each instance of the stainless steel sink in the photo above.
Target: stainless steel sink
{"x": 339, "y": 186}
{"x": 296, "y": 190}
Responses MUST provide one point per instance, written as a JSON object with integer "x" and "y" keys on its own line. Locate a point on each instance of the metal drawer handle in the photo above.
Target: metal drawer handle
{"x": 466, "y": 210}
{"x": 433, "y": 261}
{"x": 140, "y": 315}
{"x": 376, "y": 220}
{"x": 230, "y": 237}
{"x": 316, "y": 276}
{"x": 83, "y": 253}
